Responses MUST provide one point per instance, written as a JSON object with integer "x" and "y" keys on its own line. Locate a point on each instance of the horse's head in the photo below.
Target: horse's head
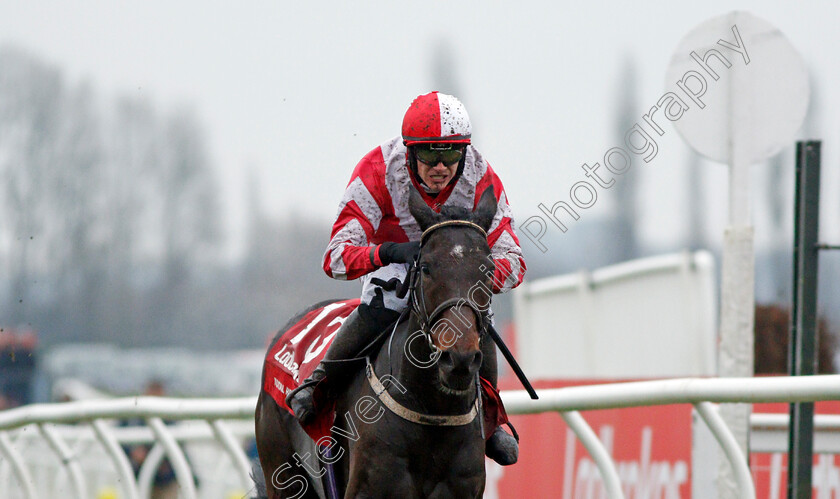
{"x": 454, "y": 285}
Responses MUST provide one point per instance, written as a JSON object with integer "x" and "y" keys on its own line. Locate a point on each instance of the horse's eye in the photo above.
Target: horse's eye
{"x": 425, "y": 268}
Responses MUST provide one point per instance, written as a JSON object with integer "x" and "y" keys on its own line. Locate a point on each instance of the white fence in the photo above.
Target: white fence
{"x": 662, "y": 308}
{"x": 197, "y": 426}
{"x": 17, "y": 426}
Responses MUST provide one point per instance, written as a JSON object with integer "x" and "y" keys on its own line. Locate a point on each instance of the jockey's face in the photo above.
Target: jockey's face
{"x": 436, "y": 176}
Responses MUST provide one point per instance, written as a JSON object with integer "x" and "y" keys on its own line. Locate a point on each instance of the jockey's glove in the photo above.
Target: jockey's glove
{"x": 398, "y": 252}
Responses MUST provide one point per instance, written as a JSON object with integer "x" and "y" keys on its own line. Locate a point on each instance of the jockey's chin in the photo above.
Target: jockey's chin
{"x": 437, "y": 184}
{"x": 436, "y": 177}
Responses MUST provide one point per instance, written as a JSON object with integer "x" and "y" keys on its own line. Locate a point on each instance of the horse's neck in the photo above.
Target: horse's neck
{"x": 417, "y": 373}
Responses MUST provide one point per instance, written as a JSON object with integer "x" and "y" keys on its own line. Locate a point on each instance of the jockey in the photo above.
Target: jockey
{"x": 375, "y": 238}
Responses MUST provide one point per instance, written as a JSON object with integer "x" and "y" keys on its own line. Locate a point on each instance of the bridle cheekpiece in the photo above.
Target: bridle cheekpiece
{"x": 418, "y": 301}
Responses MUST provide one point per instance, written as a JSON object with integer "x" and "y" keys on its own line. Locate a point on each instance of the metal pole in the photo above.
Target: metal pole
{"x": 737, "y": 285}
{"x": 802, "y": 358}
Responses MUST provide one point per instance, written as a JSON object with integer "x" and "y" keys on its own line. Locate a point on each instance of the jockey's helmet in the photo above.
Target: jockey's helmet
{"x": 436, "y": 117}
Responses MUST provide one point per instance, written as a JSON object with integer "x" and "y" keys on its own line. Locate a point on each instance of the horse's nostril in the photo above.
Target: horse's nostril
{"x": 460, "y": 363}
{"x": 476, "y": 362}
{"x": 446, "y": 360}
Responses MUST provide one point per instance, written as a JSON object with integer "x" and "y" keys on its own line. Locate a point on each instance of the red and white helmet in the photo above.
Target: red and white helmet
{"x": 436, "y": 117}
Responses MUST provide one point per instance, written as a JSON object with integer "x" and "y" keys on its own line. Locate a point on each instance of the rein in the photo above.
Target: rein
{"x": 418, "y": 302}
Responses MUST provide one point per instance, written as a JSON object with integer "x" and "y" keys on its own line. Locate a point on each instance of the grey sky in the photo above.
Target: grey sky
{"x": 297, "y": 92}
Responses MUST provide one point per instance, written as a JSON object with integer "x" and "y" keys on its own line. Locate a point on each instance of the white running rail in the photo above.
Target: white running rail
{"x": 225, "y": 421}
{"x": 702, "y": 393}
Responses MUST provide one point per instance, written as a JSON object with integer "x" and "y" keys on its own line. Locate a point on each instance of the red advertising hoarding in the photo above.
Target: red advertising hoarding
{"x": 651, "y": 447}
{"x": 770, "y": 470}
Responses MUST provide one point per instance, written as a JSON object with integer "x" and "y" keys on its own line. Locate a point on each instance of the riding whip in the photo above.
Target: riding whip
{"x": 512, "y": 361}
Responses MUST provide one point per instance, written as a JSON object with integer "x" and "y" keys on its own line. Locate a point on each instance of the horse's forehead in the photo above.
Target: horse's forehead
{"x": 458, "y": 248}
{"x": 458, "y": 240}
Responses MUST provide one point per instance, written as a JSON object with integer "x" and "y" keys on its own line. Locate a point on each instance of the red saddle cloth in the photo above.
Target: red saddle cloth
{"x": 296, "y": 354}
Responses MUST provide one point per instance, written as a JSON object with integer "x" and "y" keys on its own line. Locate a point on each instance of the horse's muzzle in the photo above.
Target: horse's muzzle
{"x": 457, "y": 369}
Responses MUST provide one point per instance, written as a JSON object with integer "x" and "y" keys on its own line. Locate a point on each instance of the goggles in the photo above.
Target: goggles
{"x": 432, "y": 154}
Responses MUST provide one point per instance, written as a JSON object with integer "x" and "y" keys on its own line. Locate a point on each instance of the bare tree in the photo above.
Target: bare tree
{"x": 626, "y": 212}
{"x": 772, "y": 330}
{"x": 31, "y": 94}
{"x": 696, "y": 229}
{"x": 75, "y": 186}
{"x": 444, "y": 75}
{"x": 189, "y": 207}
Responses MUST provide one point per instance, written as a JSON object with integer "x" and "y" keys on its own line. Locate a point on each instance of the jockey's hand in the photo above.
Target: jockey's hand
{"x": 399, "y": 252}
{"x": 390, "y": 285}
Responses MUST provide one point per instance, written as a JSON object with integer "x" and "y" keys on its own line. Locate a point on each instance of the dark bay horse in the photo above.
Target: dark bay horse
{"x": 410, "y": 424}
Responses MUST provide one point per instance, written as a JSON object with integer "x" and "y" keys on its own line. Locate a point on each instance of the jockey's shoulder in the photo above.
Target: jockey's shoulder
{"x": 372, "y": 164}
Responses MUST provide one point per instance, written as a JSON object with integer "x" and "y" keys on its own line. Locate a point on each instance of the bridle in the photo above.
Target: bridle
{"x": 417, "y": 297}
{"x": 418, "y": 304}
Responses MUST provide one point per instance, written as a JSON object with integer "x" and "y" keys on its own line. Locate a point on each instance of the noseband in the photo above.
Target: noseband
{"x": 417, "y": 297}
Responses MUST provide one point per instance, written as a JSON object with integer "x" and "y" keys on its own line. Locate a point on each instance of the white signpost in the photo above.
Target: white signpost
{"x": 747, "y": 90}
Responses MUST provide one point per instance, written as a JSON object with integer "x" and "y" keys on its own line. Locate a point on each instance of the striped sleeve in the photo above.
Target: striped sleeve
{"x": 350, "y": 254}
{"x": 504, "y": 245}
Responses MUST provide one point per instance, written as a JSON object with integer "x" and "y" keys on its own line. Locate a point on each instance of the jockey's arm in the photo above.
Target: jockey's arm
{"x": 504, "y": 244}
{"x": 350, "y": 253}
{"x": 507, "y": 257}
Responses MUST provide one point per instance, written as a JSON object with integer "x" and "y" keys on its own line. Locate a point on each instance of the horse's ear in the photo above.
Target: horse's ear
{"x": 418, "y": 208}
{"x": 486, "y": 209}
